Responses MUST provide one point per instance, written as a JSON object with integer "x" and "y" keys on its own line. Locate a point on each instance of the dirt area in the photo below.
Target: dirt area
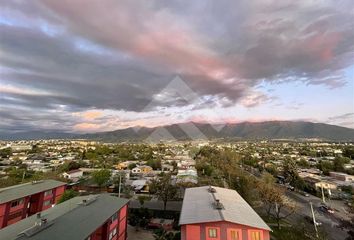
{"x": 139, "y": 235}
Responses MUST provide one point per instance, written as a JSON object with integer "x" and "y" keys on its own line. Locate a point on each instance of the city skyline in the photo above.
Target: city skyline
{"x": 90, "y": 66}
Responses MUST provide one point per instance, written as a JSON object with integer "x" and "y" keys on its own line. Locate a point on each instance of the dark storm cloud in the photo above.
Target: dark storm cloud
{"x": 91, "y": 54}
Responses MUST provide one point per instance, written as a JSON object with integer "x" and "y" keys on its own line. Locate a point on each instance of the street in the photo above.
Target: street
{"x": 329, "y": 221}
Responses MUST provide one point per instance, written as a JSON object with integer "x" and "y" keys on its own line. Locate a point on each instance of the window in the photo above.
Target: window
{"x": 212, "y": 232}
{"x": 255, "y": 235}
{"x": 47, "y": 193}
{"x": 15, "y": 215}
{"x": 114, "y": 217}
{"x": 234, "y": 234}
{"x": 16, "y": 203}
{"x": 112, "y": 233}
{"x": 47, "y": 203}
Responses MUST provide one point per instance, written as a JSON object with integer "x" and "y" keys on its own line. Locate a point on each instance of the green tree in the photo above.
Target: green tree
{"x": 163, "y": 189}
{"x": 131, "y": 166}
{"x": 161, "y": 234}
{"x": 6, "y": 152}
{"x": 338, "y": 163}
{"x": 68, "y": 194}
{"x": 101, "y": 177}
{"x": 349, "y": 152}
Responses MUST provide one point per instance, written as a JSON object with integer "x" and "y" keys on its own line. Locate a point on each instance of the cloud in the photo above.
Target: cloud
{"x": 91, "y": 56}
{"x": 346, "y": 120}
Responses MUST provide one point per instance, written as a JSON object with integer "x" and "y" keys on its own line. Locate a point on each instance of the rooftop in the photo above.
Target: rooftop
{"x": 69, "y": 220}
{"x": 26, "y": 189}
{"x": 200, "y": 206}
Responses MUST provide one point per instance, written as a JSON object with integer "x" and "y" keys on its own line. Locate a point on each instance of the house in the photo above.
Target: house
{"x": 140, "y": 186}
{"x": 23, "y": 200}
{"x": 187, "y": 176}
{"x": 214, "y": 213}
{"x": 73, "y": 175}
{"x": 145, "y": 169}
{"x": 92, "y": 217}
{"x": 341, "y": 176}
{"x": 136, "y": 170}
{"x": 319, "y": 183}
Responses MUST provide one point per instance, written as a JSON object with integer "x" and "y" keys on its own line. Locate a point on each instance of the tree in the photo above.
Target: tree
{"x": 163, "y": 189}
{"x": 280, "y": 205}
{"x": 161, "y": 234}
{"x": 101, "y": 177}
{"x": 268, "y": 192}
{"x": 349, "y": 152}
{"x": 131, "y": 166}
{"x": 303, "y": 163}
{"x": 68, "y": 194}
{"x": 338, "y": 163}
{"x": 6, "y": 152}
{"x": 291, "y": 175}
{"x": 70, "y": 165}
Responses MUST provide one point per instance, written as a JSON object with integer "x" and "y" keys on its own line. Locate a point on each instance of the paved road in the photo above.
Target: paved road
{"x": 329, "y": 221}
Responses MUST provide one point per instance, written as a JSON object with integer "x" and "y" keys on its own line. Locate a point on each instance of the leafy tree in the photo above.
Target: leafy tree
{"x": 131, "y": 166}
{"x": 70, "y": 165}
{"x": 325, "y": 167}
{"x": 35, "y": 149}
{"x": 280, "y": 204}
{"x": 163, "y": 189}
{"x": 349, "y": 152}
{"x": 68, "y": 194}
{"x": 338, "y": 163}
{"x": 291, "y": 175}
{"x": 154, "y": 163}
{"x": 303, "y": 163}
{"x": 161, "y": 234}
{"x": 6, "y": 152}
{"x": 101, "y": 177}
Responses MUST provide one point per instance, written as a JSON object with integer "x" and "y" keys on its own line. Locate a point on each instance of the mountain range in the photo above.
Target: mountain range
{"x": 193, "y": 131}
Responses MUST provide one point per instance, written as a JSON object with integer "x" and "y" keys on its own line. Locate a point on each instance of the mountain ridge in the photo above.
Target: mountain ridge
{"x": 195, "y": 130}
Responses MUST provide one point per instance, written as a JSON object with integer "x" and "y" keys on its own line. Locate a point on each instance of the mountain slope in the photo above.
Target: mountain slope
{"x": 185, "y": 131}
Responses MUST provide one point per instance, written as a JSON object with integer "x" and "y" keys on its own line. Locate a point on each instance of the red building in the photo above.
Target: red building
{"x": 213, "y": 213}
{"x": 21, "y": 201}
{"x": 94, "y": 217}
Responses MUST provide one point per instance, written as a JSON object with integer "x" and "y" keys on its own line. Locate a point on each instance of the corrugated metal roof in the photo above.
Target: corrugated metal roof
{"x": 26, "y": 189}
{"x": 198, "y": 207}
{"x": 71, "y": 220}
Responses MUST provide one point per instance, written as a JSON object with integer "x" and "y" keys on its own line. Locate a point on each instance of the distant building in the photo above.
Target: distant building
{"x": 136, "y": 170}
{"x": 341, "y": 176}
{"x": 21, "y": 201}
{"x": 213, "y": 213}
{"x": 93, "y": 217}
{"x": 145, "y": 169}
{"x": 140, "y": 186}
{"x": 319, "y": 183}
{"x": 187, "y": 176}
{"x": 73, "y": 175}
{"x": 21, "y": 147}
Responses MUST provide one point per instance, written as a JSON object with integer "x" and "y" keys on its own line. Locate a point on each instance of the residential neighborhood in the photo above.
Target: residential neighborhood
{"x": 166, "y": 183}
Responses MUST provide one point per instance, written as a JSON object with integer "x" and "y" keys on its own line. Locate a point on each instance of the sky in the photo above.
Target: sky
{"x": 100, "y": 65}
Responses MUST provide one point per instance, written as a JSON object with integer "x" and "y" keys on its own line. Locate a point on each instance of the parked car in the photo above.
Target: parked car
{"x": 289, "y": 187}
{"x": 305, "y": 194}
{"x": 327, "y": 209}
{"x": 310, "y": 220}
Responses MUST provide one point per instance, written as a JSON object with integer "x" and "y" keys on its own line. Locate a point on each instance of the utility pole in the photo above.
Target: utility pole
{"x": 23, "y": 176}
{"x": 314, "y": 220}
{"x": 120, "y": 181}
{"x": 323, "y": 197}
